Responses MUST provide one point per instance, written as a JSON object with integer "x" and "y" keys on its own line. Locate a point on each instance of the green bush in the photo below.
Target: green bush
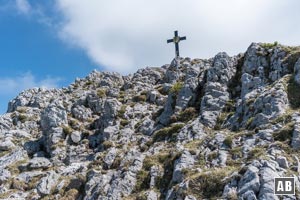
{"x": 168, "y": 132}
{"x": 187, "y": 114}
{"x": 228, "y": 141}
{"x": 284, "y": 134}
{"x": 209, "y": 184}
{"x": 67, "y": 129}
{"x": 176, "y": 87}
{"x": 101, "y": 93}
{"x": 140, "y": 98}
{"x": 142, "y": 180}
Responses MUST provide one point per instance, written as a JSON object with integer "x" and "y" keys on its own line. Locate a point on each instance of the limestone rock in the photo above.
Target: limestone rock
{"x": 47, "y": 183}
{"x": 76, "y": 136}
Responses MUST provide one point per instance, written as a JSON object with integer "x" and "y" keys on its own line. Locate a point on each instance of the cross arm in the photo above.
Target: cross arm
{"x": 183, "y": 38}
{"x": 170, "y": 40}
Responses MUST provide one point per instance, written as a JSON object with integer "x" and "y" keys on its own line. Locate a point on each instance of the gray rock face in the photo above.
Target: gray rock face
{"x": 108, "y": 113}
{"x": 39, "y": 162}
{"x": 250, "y": 181}
{"x": 186, "y": 161}
{"x": 53, "y": 116}
{"x": 76, "y": 136}
{"x": 47, "y": 183}
{"x": 147, "y": 126}
{"x": 216, "y": 94}
{"x": 267, "y": 174}
{"x": 110, "y": 157}
{"x": 82, "y": 113}
{"x": 282, "y": 162}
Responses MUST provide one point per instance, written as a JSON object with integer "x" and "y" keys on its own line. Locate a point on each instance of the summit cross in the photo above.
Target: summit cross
{"x": 176, "y": 39}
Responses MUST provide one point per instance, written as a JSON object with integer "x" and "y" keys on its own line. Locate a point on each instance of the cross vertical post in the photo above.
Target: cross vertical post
{"x": 176, "y": 39}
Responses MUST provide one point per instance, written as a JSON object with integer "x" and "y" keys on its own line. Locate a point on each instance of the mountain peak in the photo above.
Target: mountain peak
{"x": 195, "y": 128}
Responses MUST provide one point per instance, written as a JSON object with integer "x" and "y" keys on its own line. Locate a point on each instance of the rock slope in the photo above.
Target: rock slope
{"x": 219, "y": 128}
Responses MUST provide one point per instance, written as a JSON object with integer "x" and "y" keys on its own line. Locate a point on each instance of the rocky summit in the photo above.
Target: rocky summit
{"x": 219, "y": 128}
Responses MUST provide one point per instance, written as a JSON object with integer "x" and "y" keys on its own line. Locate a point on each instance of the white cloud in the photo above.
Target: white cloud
{"x": 126, "y": 35}
{"x": 23, "y": 6}
{"x": 14, "y": 85}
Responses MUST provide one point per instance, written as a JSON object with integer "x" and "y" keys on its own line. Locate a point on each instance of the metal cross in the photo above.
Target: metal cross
{"x": 176, "y": 39}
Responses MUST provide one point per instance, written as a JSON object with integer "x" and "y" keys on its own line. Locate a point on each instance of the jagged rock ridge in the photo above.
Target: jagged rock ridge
{"x": 217, "y": 128}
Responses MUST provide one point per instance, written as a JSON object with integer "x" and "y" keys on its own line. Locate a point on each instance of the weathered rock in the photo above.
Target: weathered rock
{"x": 76, "y": 136}
{"x": 282, "y": 162}
{"x": 47, "y": 183}
{"x": 250, "y": 181}
{"x": 53, "y": 116}
{"x": 6, "y": 145}
{"x": 39, "y": 162}
{"x": 110, "y": 157}
{"x": 186, "y": 161}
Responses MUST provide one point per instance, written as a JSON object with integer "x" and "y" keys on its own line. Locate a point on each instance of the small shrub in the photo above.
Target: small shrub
{"x": 255, "y": 153}
{"x": 228, "y": 141}
{"x": 209, "y": 184}
{"x": 140, "y": 98}
{"x": 168, "y": 132}
{"x": 269, "y": 45}
{"x": 142, "y": 180}
{"x": 148, "y": 163}
{"x": 23, "y": 118}
{"x": 284, "y": 134}
{"x": 107, "y": 144}
{"x": 124, "y": 122}
{"x": 187, "y": 114}
{"x": 176, "y": 87}
{"x": 220, "y": 120}
{"x": 249, "y": 123}
{"x": 21, "y": 109}
{"x": 67, "y": 129}
{"x": 122, "y": 111}
{"x": 101, "y": 93}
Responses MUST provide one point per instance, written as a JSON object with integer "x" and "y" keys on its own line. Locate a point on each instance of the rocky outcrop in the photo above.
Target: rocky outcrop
{"x": 220, "y": 128}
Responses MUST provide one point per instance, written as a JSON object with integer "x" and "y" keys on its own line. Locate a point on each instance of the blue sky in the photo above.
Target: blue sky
{"x": 48, "y": 43}
{"x": 32, "y": 55}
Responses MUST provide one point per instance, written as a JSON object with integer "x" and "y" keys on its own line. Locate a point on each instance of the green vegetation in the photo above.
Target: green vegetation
{"x": 269, "y": 45}
{"x": 142, "y": 180}
{"x": 220, "y": 120}
{"x": 140, "y": 98}
{"x": 256, "y": 152}
{"x": 187, "y": 114}
{"x": 168, "y": 132}
{"x": 122, "y": 111}
{"x": 249, "y": 123}
{"x": 101, "y": 93}
{"x": 107, "y": 144}
{"x": 67, "y": 129}
{"x": 176, "y": 88}
{"x": 228, "y": 141}
{"x": 284, "y": 134}
{"x": 293, "y": 55}
{"x": 209, "y": 185}
{"x": 23, "y": 118}
{"x": 124, "y": 122}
